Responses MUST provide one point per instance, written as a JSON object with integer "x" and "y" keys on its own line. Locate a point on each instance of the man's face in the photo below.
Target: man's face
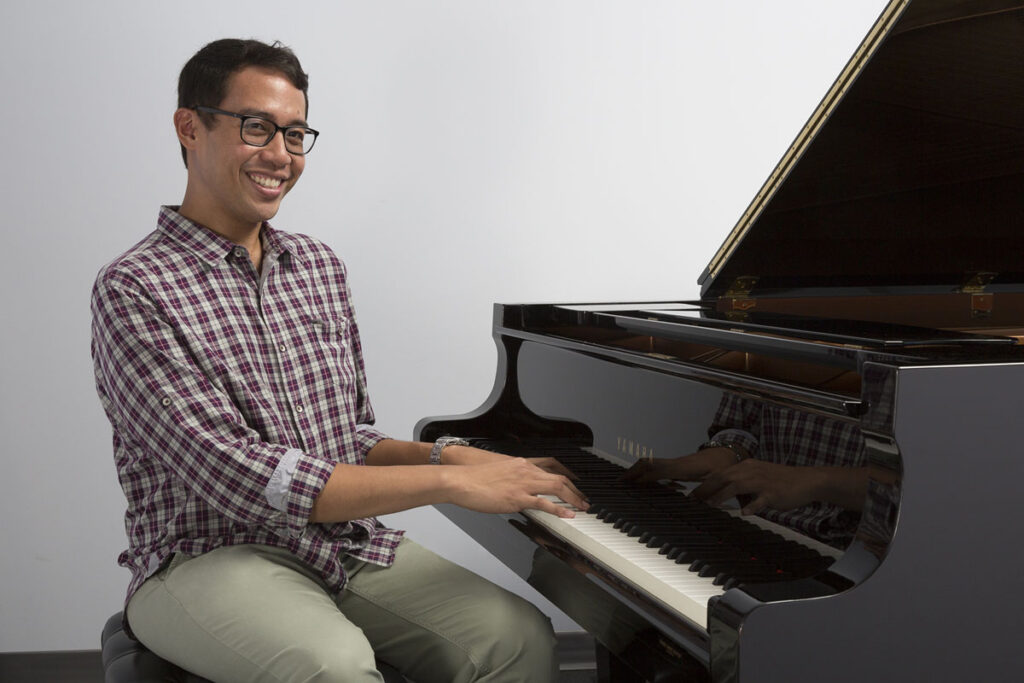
{"x": 234, "y": 186}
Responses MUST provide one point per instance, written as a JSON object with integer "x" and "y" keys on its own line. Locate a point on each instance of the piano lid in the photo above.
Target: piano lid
{"x": 909, "y": 176}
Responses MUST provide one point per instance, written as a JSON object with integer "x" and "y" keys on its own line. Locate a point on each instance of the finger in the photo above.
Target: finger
{"x": 709, "y": 487}
{"x": 565, "y": 490}
{"x": 574, "y": 497}
{"x": 554, "y": 467}
{"x": 730, "y": 490}
{"x": 545, "y": 505}
{"x": 754, "y": 506}
{"x": 640, "y": 471}
{"x": 571, "y": 485}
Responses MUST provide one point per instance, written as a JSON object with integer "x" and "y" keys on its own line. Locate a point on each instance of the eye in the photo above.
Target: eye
{"x": 256, "y": 127}
{"x": 296, "y": 134}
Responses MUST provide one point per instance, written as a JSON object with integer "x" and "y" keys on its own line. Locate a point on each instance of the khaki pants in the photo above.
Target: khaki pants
{"x": 254, "y": 613}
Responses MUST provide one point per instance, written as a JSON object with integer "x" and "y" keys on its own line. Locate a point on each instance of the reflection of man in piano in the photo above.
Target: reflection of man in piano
{"x": 795, "y": 468}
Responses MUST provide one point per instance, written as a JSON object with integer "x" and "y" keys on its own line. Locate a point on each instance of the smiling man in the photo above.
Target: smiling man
{"x": 228, "y": 361}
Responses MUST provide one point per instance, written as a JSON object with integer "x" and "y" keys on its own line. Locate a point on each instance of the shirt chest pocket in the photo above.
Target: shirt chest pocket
{"x": 330, "y": 367}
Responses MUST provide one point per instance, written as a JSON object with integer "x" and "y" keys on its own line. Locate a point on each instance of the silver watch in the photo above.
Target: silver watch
{"x": 439, "y": 445}
{"x": 715, "y": 443}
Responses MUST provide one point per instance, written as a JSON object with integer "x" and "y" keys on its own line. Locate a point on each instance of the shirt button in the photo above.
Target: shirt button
{"x": 298, "y": 409}
{"x": 283, "y": 348}
{"x": 165, "y": 401}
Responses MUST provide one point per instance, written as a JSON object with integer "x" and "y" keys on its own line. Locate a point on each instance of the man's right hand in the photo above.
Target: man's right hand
{"x": 512, "y": 485}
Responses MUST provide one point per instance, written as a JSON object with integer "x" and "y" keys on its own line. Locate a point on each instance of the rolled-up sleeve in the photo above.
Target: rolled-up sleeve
{"x": 737, "y": 421}
{"x": 160, "y": 401}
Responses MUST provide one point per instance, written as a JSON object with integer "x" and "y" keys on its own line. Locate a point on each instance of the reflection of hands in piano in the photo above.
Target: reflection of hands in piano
{"x": 784, "y": 487}
{"x": 514, "y": 484}
{"x": 694, "y": 467}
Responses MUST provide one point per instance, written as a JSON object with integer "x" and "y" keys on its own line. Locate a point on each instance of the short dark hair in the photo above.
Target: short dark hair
{"x": 204, "y": 78}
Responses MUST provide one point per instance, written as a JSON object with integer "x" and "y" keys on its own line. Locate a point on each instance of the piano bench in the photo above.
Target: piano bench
{"x": 126, "y": 660}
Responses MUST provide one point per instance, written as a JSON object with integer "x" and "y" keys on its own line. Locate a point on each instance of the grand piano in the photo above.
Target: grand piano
{"x": 875, "y": 280}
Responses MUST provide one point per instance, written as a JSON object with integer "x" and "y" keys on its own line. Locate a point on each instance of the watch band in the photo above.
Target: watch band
{"x": 440, "y": 444}
{"x": 714, "y": 443}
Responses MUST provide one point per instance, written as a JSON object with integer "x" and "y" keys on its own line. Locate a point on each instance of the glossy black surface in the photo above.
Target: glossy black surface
{"x": 559, "y": 399}
{"x": 914, "y": 178}
{"x": 876, "y": 279}
{"x": 868, "y": 334}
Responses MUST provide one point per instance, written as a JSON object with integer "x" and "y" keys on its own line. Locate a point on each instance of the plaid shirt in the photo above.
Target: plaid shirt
{"x": 791, "y": 437}
{"x": 232, "y": 396}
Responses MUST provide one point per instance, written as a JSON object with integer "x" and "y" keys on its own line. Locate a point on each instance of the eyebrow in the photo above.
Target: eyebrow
{"x": 267, "y": 115}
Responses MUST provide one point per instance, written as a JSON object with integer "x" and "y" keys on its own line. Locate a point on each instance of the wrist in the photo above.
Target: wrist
{"x": 448, "y": 483}
{"x": 842, "y": 486}
{"x": 437, "y": 451}
{"x": 737, "y": 453}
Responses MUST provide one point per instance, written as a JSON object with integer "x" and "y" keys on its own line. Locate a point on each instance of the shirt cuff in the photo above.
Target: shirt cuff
{"x": 307, "y": 481}
{"x": 367, "y": 437}
{"x": 276, "y": 490}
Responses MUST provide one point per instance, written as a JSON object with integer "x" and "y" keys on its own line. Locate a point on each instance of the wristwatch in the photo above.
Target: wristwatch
{"x": 715, "y": 443}
{"x": 439, "y": 445}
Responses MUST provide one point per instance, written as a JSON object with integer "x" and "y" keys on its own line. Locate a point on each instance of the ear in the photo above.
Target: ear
{"x": 186, "y": 125}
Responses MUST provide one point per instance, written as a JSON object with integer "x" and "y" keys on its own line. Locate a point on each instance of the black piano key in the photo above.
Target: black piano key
{"x": 709, "y": 540}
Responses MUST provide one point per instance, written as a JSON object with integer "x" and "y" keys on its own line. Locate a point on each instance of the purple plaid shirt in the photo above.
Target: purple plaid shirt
{"x": 791, "y": 437}
{"x": 232, "y": 395}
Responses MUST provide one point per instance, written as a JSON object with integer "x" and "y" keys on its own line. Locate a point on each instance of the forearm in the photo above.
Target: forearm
{"x": 473, "y": 479}
{"x": 396, "y": 478}
{"x": 395, "y": 452}
{"x": 843, "y": 486}
{"x": 355, "y": 491}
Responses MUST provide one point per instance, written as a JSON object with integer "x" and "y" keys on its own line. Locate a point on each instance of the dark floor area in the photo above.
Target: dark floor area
{"x": 85, "y": 667}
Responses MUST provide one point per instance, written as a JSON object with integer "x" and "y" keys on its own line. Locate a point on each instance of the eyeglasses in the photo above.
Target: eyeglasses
{"x": 258, "y": 131}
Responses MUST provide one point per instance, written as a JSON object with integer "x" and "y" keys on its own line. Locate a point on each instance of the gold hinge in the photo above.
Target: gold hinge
{"x": 741, "y": 286}
{"x": 975, "y": 283}
{"x": 737, "y": 297}
{"x": 982, "y": 302}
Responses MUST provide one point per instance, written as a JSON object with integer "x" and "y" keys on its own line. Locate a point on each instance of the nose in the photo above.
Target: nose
{"x": 275, "y": 150}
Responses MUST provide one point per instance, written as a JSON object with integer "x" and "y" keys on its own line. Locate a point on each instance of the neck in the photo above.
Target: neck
{"x": 247, "y": 236}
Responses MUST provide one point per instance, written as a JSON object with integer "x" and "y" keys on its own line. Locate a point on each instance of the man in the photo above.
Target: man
{"x": 229, "y": 364}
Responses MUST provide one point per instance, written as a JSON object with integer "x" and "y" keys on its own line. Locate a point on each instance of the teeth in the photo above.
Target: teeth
{"x": 265, "y": 181}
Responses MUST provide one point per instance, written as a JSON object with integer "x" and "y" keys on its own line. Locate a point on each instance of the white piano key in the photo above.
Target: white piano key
{"x": 671, "y": 585}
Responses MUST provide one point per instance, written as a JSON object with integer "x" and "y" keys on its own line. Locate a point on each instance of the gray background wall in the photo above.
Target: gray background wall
{"x": 472, "y": 151}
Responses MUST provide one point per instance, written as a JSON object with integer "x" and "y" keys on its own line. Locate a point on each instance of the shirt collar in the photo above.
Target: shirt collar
{"x": 212, "y": 248}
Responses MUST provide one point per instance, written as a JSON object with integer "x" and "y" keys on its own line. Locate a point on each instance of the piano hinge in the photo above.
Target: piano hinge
{"x": 737, "y": 297}
{"x": 982, "y": 302}
{"x": 975, "y": 283}
{"x": 741, "y": 286}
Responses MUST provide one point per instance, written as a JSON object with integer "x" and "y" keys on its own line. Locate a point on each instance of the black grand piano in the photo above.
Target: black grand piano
{"x": 877, "y": 280}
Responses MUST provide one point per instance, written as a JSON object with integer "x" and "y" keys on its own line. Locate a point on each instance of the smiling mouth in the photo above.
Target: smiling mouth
{"x": 265, "y": 181}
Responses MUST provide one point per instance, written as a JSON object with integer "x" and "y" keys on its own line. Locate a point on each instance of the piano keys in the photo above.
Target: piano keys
{"x": 876, "y": 280}
{"x": 678, "y": 551}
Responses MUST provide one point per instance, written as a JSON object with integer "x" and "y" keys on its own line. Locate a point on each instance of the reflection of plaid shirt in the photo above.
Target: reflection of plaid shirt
{"x": 232, "y": 396}
{"x": 790, "y": 437}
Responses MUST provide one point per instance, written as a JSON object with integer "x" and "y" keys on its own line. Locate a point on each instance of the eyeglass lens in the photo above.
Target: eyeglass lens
{"x": 258, "y": 132}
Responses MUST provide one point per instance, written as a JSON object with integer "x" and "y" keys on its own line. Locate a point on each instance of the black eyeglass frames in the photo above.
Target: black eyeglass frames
{"x": 258, "y": 131}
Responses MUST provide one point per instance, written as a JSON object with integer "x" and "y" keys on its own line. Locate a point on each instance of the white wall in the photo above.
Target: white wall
{"x": 472, "y": 151}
